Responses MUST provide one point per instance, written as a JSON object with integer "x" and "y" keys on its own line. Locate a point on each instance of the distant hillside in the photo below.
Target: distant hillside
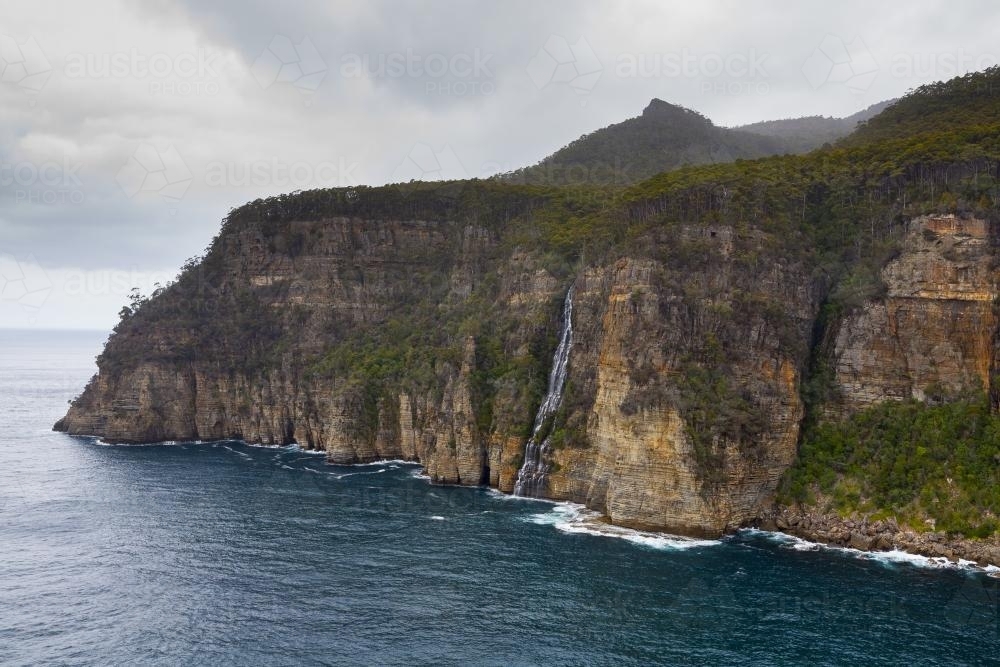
{"x": 667, "y": 136}
{"x": 809, "y": 132}
{"x": 970, "y": 100}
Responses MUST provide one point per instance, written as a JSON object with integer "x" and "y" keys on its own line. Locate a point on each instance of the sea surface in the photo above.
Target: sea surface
{"x": 223, "y": 553}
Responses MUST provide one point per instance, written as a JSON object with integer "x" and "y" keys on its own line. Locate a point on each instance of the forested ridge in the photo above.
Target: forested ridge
{"x": 841, "y": 209}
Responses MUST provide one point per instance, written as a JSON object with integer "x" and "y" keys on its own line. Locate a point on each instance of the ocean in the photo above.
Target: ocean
{"x": 229, "y": 554}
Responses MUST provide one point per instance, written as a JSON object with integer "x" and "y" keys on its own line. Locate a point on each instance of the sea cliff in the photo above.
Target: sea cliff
{"x": 734, "y": 328}
{"x": 689, "y": 334}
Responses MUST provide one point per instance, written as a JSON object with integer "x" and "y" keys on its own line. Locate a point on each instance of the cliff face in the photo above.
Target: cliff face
{"x": 681, "y": 409}
{"x": 935, "y": 329}
{"x": 345, "y": 277}
{"x": 694, "y": 371}
{"x": 431, "y": 340}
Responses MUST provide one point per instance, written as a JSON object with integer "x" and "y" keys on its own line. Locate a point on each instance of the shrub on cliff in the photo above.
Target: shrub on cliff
{"x": 919, "y": 462}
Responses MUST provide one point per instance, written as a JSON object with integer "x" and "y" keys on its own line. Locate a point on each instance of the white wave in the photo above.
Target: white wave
{"x": 101, "y": 442}
{"x": 419, "y": 474}
{"x": 380, "y": 462}
{"x": 104, "y": 443}
{"x": 352, "y": 474}
{"x": 897, "y": 556}
{"x": 893, "y": 557}
{"x": 257, "y": 445}
{"x": 500, "y": 495}
{"x": 212, "y": 443}
{"x": 292, "y": 447}
{"x": 784, "y": 539}
{"x": 297, "y": 448}
{"x": 243, "y": 454}
{"x": 573, "y": 518}
{"x": 437, "y": 517}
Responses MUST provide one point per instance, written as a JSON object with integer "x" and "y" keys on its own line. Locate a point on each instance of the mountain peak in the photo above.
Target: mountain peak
{"x": 657, "y": 109}
{"x": 657, "y": 106}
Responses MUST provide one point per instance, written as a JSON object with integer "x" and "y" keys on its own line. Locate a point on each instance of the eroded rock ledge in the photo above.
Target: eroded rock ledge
{"x": 882, "y": 535}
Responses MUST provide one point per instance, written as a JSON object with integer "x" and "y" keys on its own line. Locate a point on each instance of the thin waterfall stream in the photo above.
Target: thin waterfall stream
{"x": 532, "y": 473}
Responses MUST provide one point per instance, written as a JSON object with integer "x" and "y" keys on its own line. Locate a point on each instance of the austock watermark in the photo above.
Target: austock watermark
{"x": 732, "y": 73}
{"x": 455, "y": 74}
{"x": 429, "y": 163}
{"x": 27, "y": 284}
{"x": 837, "y": 61}
{"x": 284, "y": 62}
{"x": 578, "y": 67}
{"x": 117, "y": 282}
{"x": 152, "y": 170}
{"x": 23, "y": 281}
{"x": 12, "y": 498}
{"x": 615, "y": 172}
{"x": 939, "y": 66}
{"x": 278, "y": 173}
{"x": 560, "y": 63}
{"x": 310, "y": 474}
{"x": 47, "y": 182}
{"x": 705, "y": 601}
{"x": 163, "y": 172}
{"x": 425, "y": 163}
{"x": 976, "y": 605}
{"x": 23, "y": 64}
{"x": 177, "y": 74}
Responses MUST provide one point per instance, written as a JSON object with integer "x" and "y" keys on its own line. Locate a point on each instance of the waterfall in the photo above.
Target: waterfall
{"x": 534, "y": 469}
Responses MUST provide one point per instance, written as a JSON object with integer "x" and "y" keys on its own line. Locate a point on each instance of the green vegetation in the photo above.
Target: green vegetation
{"x": 568, "y": 427}
{"x": 804, "y": 134}
{"x": 664, "y": 137}
{"x": 910, "y": 460}
{"x": 839, "y": 211}
{"x": 716, "y": 415}
{"x": 969, "y": 100}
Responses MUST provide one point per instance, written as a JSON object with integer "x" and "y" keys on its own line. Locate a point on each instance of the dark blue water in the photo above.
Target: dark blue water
{"x": 228, "y": 554}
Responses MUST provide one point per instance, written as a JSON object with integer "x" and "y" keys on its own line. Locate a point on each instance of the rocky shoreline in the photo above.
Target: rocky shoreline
{"x": 882, "y": 535}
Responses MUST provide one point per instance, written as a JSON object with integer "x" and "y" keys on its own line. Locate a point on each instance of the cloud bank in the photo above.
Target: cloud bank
{"x": 127, "y": 132}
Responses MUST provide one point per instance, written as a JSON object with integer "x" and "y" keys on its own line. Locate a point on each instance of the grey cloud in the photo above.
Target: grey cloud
{"x": 548, "y": 73}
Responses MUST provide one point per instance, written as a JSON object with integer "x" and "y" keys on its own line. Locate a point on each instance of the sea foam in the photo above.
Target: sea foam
{"x": 380, "y": 462}
{"x": 886, "y": 558}
{"x": 500, "y": 495}
{"x": 573, "y": 518}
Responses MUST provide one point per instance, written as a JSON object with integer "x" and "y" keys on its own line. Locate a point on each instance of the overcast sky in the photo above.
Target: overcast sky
{"x": 128, "y": 129}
